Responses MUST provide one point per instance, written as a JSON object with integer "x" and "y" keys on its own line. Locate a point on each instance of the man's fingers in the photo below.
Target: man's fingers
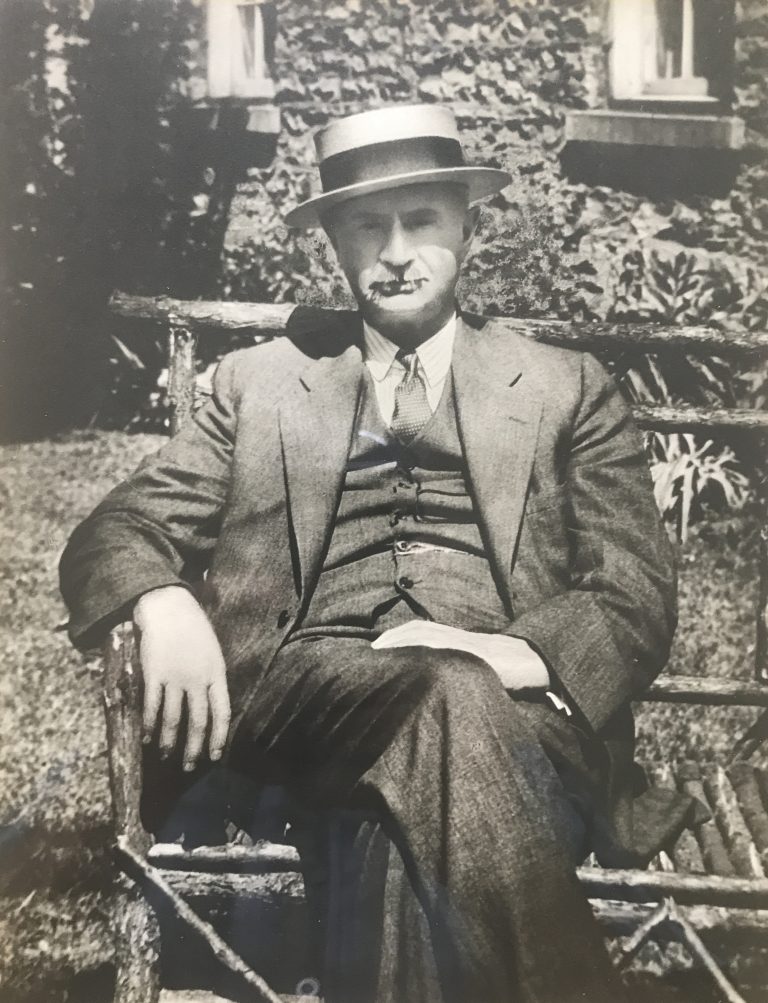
{"x": 153, "y": 693}
{"x": 197, "y": 721}
{"x": 171, "y": 717}
{"x": 220, "y": 712}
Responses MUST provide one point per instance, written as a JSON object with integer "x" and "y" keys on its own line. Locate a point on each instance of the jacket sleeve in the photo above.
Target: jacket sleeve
{"x": 155, "y": 526}
{"x": 608, "y": 635}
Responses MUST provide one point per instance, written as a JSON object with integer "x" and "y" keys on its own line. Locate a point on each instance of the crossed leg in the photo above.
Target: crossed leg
{"x": 484, "y": 798}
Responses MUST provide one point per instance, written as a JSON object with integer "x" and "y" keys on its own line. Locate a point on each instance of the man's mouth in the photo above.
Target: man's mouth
{"x": 395, "y": 287}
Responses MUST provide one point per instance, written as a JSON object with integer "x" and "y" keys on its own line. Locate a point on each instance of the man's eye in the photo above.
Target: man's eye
{"x": 419, "y": 223}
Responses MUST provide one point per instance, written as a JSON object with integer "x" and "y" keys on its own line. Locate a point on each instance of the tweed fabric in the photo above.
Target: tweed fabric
{"x": 250, "y": 488}
{"x": 412, "y": 410}
{"x": 486, "y": 801}
{"x": 406, "y": 540}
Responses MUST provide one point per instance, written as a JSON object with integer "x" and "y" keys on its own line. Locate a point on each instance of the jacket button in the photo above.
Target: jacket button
{"x": 283, "y": 617}
{"x": 405, "y": 582}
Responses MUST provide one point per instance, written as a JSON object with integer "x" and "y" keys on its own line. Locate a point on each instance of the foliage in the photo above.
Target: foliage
{"x": 275, "y": 268}
{"x": 685, "y": 475}
{"x": 689, "y": 289}
{"x": 137, "y": 388}
{"x": 101, "y": 186}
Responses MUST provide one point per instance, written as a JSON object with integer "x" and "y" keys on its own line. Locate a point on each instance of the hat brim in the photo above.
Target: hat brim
{"x": 480, "y": 182}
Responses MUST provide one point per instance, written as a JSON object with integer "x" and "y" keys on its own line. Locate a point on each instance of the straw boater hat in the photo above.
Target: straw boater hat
{"x": 389, "y": 148}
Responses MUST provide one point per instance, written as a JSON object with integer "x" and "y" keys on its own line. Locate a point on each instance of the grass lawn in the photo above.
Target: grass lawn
{"x": 54, "y": 805}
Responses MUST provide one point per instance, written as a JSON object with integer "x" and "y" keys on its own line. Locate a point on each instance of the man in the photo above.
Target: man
{"x": 435, "y": 579}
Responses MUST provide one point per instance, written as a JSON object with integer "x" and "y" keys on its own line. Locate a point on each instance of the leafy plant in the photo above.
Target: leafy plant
{"x": 687, "y": 475}
{"x": 685, "y": 289}
{"x": 137, "y": 390}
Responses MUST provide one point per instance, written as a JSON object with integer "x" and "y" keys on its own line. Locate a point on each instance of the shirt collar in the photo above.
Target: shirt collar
{"x": 434, "y": 354}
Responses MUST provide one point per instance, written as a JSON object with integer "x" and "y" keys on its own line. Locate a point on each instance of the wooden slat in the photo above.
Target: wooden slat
{"x": 122, "y": 700}
{"x": 622, "y": 918}
{"x": 192, "y": 996}
{"x": 686, "y": 889}
{"x": 181, "y": 376}
{"x": 202, "y": 315}
{"x": 135, "y": 929}
{"x": 136, "y": 936}
{"x": 761, "y": 639}
{"x": 266, "y": 888}
{"x": 712, "y": 692}
{"x": 713, "y": 849}
{"x": 660, "y": 418}
{"x": 204, "y": 996}
{"x": 269, "y": 318}
{"x": 730, "y": 820}
{"x": 261, "y": 859}
{"x": 743, "y": 776}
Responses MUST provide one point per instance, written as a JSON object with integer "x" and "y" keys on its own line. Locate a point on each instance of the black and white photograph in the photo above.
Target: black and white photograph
{"x": 384, "y": 501}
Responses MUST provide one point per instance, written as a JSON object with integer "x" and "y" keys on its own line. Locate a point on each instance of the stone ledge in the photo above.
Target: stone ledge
{"x": 631, "y": 128}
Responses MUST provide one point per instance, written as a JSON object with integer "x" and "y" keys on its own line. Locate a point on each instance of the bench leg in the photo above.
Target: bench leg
{"x": 137, "y": 940}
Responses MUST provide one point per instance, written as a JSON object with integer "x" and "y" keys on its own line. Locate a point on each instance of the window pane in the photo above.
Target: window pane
{"x": 247, "y": 14}
{"x": 668, "y": 38}
{"x": 674, "y": 43}
{"x": 668, "y": 49}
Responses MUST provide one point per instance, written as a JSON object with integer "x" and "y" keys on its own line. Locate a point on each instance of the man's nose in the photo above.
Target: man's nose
{"x": 396, "y": 252}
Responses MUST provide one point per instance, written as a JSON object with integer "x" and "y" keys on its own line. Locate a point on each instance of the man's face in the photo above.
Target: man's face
{"x": 401, "y": 251}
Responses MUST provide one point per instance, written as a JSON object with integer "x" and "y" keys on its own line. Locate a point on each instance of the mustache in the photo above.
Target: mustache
{"x": 387, "y": 281}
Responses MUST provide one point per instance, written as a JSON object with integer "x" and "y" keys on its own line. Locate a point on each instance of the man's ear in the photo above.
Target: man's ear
{"x": 469, "y": 229}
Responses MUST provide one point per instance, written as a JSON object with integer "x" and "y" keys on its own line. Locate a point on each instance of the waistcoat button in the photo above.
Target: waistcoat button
{"x": 283, "y": 617}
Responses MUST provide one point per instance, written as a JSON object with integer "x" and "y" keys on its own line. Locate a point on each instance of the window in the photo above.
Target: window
{"x": 667, "y": 129}
{"x": 668, "y": 50}
{"x": 237, "y": 59}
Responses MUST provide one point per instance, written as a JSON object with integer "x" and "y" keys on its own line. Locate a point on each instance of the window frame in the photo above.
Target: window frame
{"x": 227, "y": 73}
{"x": 634, "y": 84}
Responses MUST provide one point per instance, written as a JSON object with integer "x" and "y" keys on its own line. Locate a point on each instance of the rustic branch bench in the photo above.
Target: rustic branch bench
{"x": 714, "y": 880}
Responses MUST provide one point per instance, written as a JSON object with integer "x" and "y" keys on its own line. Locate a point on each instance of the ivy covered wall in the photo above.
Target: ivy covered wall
{"x": 114, "y": 180}
{"x": 511, "y": 71}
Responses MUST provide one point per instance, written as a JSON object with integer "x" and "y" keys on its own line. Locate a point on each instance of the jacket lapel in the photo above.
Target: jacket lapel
{"x": 316, "y": 418}
{"x": 498, "y": 413}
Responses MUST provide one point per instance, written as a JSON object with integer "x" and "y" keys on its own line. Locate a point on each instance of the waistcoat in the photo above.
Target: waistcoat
{"x": 406, "y": 540}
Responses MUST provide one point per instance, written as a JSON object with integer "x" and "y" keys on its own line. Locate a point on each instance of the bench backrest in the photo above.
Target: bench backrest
{"x": 186, "y": 321}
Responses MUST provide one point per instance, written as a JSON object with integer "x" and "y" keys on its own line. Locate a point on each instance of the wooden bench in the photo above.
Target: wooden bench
{"x": 713, "y": 880}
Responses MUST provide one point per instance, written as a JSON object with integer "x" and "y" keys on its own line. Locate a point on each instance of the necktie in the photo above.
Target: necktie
{"x": 412, "y": 410}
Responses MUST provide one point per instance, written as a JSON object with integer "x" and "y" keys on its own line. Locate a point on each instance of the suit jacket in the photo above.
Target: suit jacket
{"x": 249, "y": 490}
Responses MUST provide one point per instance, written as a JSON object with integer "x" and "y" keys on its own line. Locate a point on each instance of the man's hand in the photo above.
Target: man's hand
{"x": 514, "y": 661}
{"x": 181, "y": 659}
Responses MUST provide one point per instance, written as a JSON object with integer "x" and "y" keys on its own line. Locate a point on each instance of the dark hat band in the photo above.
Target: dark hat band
{"x": 377, "y": 161}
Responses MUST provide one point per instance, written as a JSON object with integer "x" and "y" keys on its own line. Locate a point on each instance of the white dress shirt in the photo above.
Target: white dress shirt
{"x": 434, "y": 363}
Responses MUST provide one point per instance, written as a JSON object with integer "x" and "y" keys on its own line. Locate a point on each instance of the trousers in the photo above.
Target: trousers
{"x": 475, "y": 811}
